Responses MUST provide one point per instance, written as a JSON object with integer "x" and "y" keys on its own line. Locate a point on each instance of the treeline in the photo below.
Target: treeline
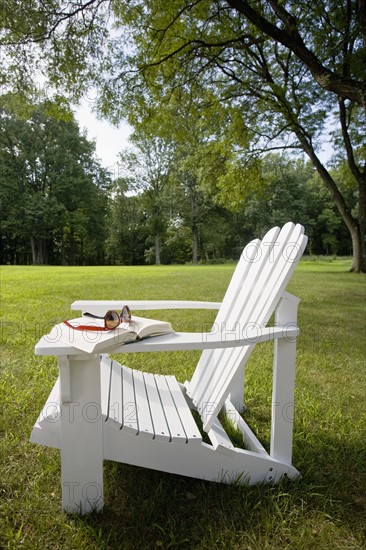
{"x": 205, "y": 231}
{"x": 60, "y": 206}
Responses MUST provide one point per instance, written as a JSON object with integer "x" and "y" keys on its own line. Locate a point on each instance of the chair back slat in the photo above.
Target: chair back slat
{"x": 240, "y": 274}
{"x": 250, "y": 266}
{"x": 259, "y": 280}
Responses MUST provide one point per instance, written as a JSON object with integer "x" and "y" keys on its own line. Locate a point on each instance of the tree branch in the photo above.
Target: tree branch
{"x": 347, "y": 142}
{"x": 57, "y": 17}
{"x": 274, "y": 148}
{"x": 196, "y": 45}
{"x": 289, "y": 37}
{"x": 177, "y": 16}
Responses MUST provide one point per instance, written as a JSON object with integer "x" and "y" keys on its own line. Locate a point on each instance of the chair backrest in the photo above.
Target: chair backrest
{"x": 258, "y": 282}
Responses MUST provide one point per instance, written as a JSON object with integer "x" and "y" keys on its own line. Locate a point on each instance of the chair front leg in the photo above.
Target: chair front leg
{"x": 81, "y": 434}
{"x": 284, "y": 381}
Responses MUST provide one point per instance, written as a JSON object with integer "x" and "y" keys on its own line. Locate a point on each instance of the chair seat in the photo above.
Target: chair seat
{"x": 147, "y": 405}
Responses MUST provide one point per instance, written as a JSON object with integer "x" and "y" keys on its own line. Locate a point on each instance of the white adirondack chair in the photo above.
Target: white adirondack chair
{"x": 99, "y": 409}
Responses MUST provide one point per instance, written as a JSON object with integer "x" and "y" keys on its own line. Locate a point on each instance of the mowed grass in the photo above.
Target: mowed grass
{"x": 325, "y": 509}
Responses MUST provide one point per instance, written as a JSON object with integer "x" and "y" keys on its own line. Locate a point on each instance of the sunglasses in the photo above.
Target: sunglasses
{"x": 112, "y": 319}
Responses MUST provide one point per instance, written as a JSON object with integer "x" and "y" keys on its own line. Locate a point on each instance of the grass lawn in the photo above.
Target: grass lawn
{"x": 325, "y": 509}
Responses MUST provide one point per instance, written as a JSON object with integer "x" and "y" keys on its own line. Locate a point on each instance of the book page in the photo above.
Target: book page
{"x": 150, "y": 327}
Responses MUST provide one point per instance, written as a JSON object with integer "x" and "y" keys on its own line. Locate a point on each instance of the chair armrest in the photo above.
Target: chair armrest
{"x": 180, "y": 341}
{"x": 99, "y": 307}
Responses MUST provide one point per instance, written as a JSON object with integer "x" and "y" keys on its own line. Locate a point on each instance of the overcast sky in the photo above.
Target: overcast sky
{"x": 109, "y": 139}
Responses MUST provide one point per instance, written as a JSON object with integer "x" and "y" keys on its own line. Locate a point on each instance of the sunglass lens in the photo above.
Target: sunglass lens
{"x": 126, "y": 314}
{"x": 111, "y": 319}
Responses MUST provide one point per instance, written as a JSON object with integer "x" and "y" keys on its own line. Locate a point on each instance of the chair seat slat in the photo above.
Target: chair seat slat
{"x": 115, "y": 416}
{"x": 161, "y": 430}
{"x": 145, "y": 424}
{"x": 176, "y": 429}
{"x": 129, "y": 411}
{"x": 190, "y": 427}
{"x": 105, "y": 381}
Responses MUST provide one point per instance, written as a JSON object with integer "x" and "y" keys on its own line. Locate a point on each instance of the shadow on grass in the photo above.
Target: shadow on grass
{"x": 148, "y": 509}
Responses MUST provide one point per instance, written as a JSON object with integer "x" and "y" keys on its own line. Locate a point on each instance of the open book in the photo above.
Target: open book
{"x": 93, "y": 341}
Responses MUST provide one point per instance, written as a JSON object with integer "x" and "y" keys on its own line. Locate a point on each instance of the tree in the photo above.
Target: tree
{"x": 126, "y": 231}
{"x": 291, "y": 68}
{"x": 286, "y": 66}
{"x": 146, "y": 169}
{"x": 191, "y": 199}
{"x": 54, "y": 191}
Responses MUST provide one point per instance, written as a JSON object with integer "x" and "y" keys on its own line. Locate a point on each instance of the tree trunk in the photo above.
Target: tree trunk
{"x": 157, "y": 249}
{"x": 194, "y": 219}
{"x": 358, "y": 247}
{"x": 359, "y": 259}
{"x": 39, "y": 251}
{"x": 195, "y": 244}
{"x": 63, "y": 248}
{"x": 356, "y": 227}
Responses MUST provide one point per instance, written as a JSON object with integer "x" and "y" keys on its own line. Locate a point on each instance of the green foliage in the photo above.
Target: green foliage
{"x": 292, "y": 190}
{"x": 126, "y": 227}
{"x": 59, "y": 206}
{"x": 254, "y": 77}
{"x": 54, "y": 191}
{"x": 146, "y": 171}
